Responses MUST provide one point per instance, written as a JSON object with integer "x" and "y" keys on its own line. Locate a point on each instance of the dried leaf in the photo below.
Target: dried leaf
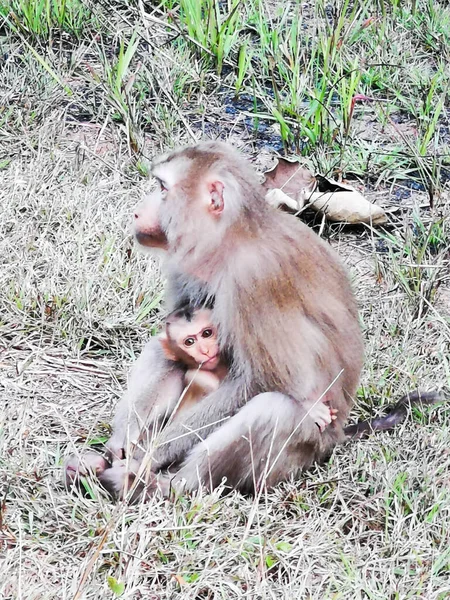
{"x": 339, "y": 201}
{"x": 325, "y": 184}
{"x": 347, "y": 206}
{"x": 179, "y": 579}
{"x": 294, "y": 180}
{"x": 336, "y": 200}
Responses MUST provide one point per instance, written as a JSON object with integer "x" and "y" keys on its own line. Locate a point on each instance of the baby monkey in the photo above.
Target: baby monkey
{"x": 191, "y": 338}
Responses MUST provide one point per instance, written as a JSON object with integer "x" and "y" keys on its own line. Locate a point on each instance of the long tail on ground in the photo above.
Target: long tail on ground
{"x": 396, "y": 415}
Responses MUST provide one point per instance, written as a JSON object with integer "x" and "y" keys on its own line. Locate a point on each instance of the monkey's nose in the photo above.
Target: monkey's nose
{"x": 138, "y": 210}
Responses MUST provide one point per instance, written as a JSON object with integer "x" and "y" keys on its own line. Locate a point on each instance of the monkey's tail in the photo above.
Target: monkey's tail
{"x": 396, "y": 415}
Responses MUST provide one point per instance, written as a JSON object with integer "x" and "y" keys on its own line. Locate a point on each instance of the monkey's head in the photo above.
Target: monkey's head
{"x": 191, "y": 338}
{"x": 202, "y": 193}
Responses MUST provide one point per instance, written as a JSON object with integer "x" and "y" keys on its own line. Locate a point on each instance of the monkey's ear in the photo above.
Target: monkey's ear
{"x": 165, "y": 344}
{"x": 216, "y": 197}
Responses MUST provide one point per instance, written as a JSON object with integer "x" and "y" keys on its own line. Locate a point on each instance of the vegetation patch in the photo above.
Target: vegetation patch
{"x": 90, "y": 91}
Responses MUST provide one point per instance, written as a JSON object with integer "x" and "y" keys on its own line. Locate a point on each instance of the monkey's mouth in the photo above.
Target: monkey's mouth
{"x": 211, "y": 363}
{"x": 155, "y": 239}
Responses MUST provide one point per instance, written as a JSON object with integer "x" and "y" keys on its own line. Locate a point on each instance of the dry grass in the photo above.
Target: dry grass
{"x": 78, "y": 302}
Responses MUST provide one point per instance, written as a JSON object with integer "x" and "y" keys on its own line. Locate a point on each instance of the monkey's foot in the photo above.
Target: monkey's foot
{"x": 77, "y": 467}
{"x": 125, "y": 480}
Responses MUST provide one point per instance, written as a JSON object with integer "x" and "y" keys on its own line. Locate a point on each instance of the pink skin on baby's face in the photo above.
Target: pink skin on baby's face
{"x": 198, "y": 339}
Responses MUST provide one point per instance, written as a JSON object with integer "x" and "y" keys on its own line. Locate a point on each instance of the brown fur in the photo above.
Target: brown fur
{"x": 283, "y": 302}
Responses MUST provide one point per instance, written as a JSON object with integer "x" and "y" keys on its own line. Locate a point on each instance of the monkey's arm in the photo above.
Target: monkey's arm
{"x": 198, "y": 422}
{"x": 396, "y": 415}
{"x": 205, "y": 380}
{"x": 155, "y": 385}
{"x": 206, "y": 417}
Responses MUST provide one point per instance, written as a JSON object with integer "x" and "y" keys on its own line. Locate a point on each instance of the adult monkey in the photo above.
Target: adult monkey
{"x": 286, "y": 315}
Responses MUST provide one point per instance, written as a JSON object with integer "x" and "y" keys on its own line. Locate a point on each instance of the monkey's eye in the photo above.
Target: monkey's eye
{"x": 207, "y": 333}
{"x": 190, "y": 341}
{"x": 162, "y": 187}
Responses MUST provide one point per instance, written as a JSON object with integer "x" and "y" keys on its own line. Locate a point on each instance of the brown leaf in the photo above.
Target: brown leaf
{"x": 324, "y": 184}
{"x": 291, "y": 185}
{"x": 289, "y": 176}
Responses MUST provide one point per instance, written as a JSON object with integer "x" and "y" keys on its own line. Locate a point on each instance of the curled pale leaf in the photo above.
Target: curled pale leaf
{"x": 291, "y": 185}
{"x": 339, "y": 201}
{"x": 348, "y": 206}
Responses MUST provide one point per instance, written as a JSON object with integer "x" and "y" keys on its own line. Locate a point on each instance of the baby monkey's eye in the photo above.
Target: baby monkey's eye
{"x": 207, "y": 333}
{"x": 189, "y": 342}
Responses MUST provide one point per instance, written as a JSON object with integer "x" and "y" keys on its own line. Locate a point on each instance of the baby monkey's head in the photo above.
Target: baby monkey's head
{"x": 191, "y": 338}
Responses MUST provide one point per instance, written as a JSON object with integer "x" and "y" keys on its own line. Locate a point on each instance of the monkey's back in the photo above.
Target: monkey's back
{"x": 294, "y": 322}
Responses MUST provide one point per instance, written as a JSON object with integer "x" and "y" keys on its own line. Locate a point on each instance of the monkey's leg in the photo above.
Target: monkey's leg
{"x": 154, "y": 388}
{"x": 267, "y": 440}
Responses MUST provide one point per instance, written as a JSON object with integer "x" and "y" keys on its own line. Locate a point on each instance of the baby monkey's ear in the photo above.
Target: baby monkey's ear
{"x": 167, "y": 347}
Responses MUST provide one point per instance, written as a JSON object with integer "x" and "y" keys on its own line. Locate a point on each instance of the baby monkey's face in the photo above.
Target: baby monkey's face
{"x": 197, "y": 338}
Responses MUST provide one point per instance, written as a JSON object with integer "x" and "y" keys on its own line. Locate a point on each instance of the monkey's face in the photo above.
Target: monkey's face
{"x": 188, "y": 204}
{"x": 147, "y": 223}
{"x": 197, "y": 339}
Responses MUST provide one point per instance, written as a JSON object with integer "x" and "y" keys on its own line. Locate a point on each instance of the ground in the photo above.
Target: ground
{"x": 85, "y": 103}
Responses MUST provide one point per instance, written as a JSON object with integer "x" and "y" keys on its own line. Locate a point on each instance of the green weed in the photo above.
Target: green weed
{"x": 308, "y": 71}
{"x": 212, "y": 30}
{"x": 42, "y": 17}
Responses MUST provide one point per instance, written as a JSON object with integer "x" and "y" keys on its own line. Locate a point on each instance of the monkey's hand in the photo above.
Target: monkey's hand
{"x": 76, "y": 467}
{"x": 115, "y": 448}
{"x": 322, "y": 415}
